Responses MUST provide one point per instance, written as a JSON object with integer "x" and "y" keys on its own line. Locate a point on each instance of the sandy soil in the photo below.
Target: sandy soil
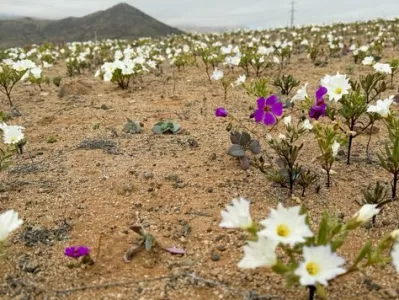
{"x": 174, "y": 188}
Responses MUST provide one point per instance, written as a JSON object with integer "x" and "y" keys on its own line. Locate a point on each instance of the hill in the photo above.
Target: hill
{"x": 121, "y": 21}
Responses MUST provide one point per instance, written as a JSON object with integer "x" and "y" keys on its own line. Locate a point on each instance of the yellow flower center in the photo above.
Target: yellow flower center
{"x": 12, "y": 140}
{"x": 312, "y": 268}
{"x": 338, "y": 91}
{"x": 283, "y": 230}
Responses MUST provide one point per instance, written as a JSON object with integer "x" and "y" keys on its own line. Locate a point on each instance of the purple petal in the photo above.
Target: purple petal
{"x": 259, "y": 113}
{"x": 261, "y": 103}
{"x": 175, "y": 250}
{"x": 321, "y": 92}
{"x": 271, "y": 100}
{"x": 269, "y": 119}
{"x": 317, "y": 111}
{"x": 277, "y": 109}
{"x": 221, "y": 112}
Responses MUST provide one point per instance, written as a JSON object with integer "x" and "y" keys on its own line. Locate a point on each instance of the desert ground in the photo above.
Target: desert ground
{"x": 83, "y": 181}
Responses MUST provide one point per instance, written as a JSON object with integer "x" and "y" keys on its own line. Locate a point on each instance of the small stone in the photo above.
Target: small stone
{"x": 148, "y": 175}
{"x": 215, "y": 256}
{"x": 221, "y": 248}
{"x": 210, "y": 190}
{"x": 391, "y": 293}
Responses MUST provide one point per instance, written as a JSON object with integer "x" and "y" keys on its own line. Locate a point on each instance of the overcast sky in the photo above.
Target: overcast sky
{"x": 249, "y": 13}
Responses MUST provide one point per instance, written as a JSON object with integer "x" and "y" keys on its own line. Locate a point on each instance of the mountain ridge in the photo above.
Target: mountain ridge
{"x": 121, "y": 21}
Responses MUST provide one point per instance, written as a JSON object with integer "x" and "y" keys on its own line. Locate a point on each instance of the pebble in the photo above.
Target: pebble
{"x": 215, "y": 256}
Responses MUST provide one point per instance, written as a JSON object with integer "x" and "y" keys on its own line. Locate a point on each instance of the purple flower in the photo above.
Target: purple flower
{"x": 319, "y": 107}
{"x": 76, "y": 252}
{"x": 221, "y": 112}
{"x": 268, "y": 110}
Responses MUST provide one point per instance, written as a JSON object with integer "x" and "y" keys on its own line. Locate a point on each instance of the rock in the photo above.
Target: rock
{"x": 390, "y": 293}
{"x": 215, "y": 256}
{"x": 74, "y": 88}
{"x": 148, "y": 175}
{"x": 221, "y": 248}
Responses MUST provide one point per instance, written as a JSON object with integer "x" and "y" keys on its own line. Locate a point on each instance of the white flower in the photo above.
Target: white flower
{"x": 152, "y": 64}
{"x": 107, "y": 76}
{"x": 12, "y": 134}
{"x": 335, "y": 147}
{"x": 337, "y": 86}
{"x": 281, "y": 137}
{"x": 381, "y": 107}
{"x": 217, "y": 74}
{"x": 118, "y": 54}
{"x": 368, "y": 60}
{"x": 8, "y": 222}
{"x": 366, "y": 213}
{"x": 287, "y": 121}
{"x": 395, "y": 256}
{"x": 382, "y": 68}
{"x": 36, "y": 72}
{"x": 237, "y": 215}
{"x": 307, "y": 125}
{"x": 301, "y": 94}
{"x": 320, "y": 265}
{"x": 259, "y": 254}
{"x": 98, "y": 72}
{"x": 395, "y": 235}
{"x": 276, "y": 60}
{"x": 286, "y": 225}
{"x": 240, "y": 80}
{"x": 46, "y": 65}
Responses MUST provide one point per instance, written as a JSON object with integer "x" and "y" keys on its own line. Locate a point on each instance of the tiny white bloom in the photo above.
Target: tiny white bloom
{"x": 301, "y": 94}
{"x": 337, "y": 86}
{"x": 307, "y": 125}
{"x": 381, "y": 107}
{"x": 12, "y": 134}
{"x": 237, "y": 215}
{"x": 382, "y": 68}
{"x": 240, "y": 80}
{"x": 281, "y": 137}
{"x": 259, "y": 254}
{"x": 368, "y": 60}
{"x": 335, "y": 148}
{"x": 395, "y": 256}
{"x": 395, "y": 235}
{"x": 8, "y": 222}
{"x": 286, "y": 225}
{"x": 366, "y": 213}
{"x": 320, "y": 265}
{"x": 287, "y": 121}
{"x": 107, "y": 76}
{"x": 217, "y": 74}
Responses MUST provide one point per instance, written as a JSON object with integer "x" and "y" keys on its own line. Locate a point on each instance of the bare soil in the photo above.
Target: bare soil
{"x": 97, "y": 182}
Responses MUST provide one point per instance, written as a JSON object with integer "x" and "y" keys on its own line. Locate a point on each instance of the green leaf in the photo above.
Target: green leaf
{"x": 280, "y": 268}
{"x": 321, "y": 291}
{"x": 365, "y": 251}
{"x": 254, "y": 146}
{"x": 323, "y": 230}
{"x": 245, "y": 139}
{"x": 236, "y": 150}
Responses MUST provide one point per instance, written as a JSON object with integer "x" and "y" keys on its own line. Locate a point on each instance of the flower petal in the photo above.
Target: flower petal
{"x": 277, "y": 109}
{"x": 271, "y": 100}
{"x": 269, "y": 119}
{"x": 261, "y": 103}
{"x": 258, "y": 115}
{"x": 321, "y": 92}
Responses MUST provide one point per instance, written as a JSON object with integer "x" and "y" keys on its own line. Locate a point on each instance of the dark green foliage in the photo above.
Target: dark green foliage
{"x": 286, "y": 83}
